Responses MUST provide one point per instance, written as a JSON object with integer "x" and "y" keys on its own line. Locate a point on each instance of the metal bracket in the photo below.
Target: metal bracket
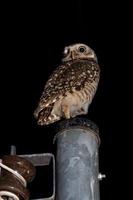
{"x": 42, "y": 160}
{"x": 37, "y": 160}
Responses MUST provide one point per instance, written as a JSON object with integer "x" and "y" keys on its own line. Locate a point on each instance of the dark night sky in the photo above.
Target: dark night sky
{"x": 33, "y": 38}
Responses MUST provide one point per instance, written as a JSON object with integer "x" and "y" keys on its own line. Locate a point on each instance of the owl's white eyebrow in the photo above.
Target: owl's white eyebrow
{"x": 66, "y": 50}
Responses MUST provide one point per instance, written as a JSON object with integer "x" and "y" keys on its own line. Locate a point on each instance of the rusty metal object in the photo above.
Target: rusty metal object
{"x": 15, "y": 173}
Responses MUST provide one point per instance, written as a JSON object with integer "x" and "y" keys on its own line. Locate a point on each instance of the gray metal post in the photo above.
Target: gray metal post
{"x": 77, "y": 160}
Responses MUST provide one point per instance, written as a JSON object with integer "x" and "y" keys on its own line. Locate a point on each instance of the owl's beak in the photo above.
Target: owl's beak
{"x": 72, "y": 55}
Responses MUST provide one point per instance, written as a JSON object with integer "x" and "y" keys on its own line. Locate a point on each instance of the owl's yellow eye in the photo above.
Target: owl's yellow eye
{"x": 82, "y": 49}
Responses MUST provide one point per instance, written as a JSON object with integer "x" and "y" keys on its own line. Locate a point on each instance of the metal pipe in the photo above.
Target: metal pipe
{"x": 13, "y": 150}
{"x": 77, "y": 160}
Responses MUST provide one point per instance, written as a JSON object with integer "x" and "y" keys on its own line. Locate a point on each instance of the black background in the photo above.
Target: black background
{"x": 33, "y": 37}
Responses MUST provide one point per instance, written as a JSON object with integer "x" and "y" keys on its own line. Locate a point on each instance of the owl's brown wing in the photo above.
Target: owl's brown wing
{"x": 66, "y": 78}
{"x": 52, "y": 90}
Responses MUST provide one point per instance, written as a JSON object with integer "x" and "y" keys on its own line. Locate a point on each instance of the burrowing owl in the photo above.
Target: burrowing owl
{"x": 71, "y": 88}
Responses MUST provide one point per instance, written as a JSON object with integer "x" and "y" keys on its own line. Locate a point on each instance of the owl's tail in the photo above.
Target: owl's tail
{"x": 44, "y": 116}
{"x": 37, "y": 111}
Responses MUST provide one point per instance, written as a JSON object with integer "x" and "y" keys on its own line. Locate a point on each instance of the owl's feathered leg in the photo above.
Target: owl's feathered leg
{"x": 83, "y": 110}
{"x": 66, "y": 111}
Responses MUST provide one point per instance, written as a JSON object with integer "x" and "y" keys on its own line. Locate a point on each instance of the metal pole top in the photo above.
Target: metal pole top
{"x": 77, "y": 123}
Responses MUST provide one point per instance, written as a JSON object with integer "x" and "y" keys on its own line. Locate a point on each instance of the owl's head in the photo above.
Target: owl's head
{"x": 78, "y": 51}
